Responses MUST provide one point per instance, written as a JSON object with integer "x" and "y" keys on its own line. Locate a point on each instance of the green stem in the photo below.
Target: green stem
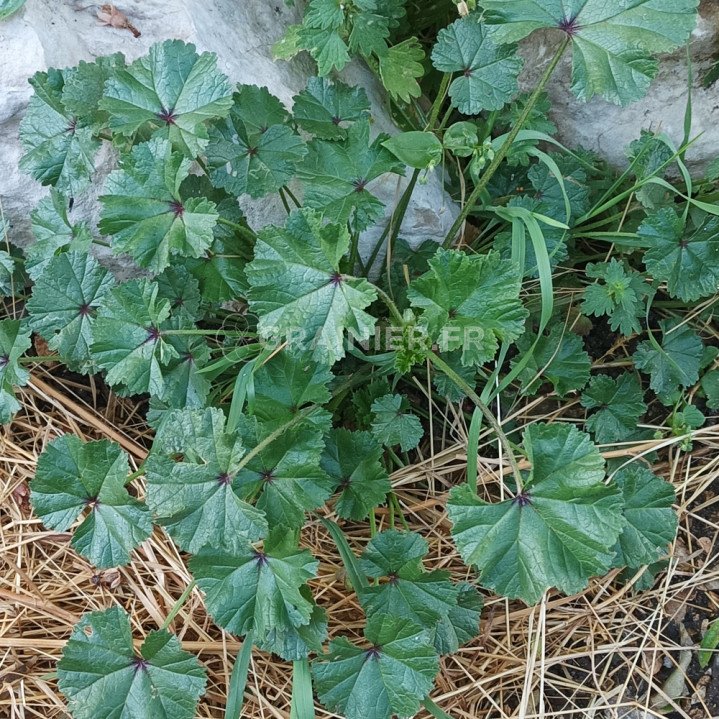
{"x": 137, "y": 473}
{"x": 441, "y": 365}
{"x": 438, "y": 100}
{"x": 504, "y": 150}
{"x": 38, "y": 359}
{"x": 401, "y": 211}
{"x": 206, "y": 333}
{"x": 391, "y": 306}
{"x": 270, "y": 438}
{"x": 394, "y": 502}
{"x": 292, "y": 197}
{"x": 178, "y": 604}
{"x": 395, "y": 221}
{"x": 245, "y": 232}
{"x": 285, "y": 204}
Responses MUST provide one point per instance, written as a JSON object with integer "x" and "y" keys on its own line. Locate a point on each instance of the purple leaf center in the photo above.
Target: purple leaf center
{"x": 523, "y": 499}
{"x": 570, "y": 26}
{"x": 167, "y": 116}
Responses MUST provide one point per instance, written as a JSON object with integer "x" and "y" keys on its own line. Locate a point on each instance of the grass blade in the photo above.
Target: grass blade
{"x": 303, "y": 703}
{"x": 238, "y": 679}
{"x": 475, "y": 428}
{"x": 434, "y": 710}
{"x": 357, "y": 579}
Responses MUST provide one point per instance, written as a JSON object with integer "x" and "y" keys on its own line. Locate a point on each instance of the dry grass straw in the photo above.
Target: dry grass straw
{"x": 599, "y": 654}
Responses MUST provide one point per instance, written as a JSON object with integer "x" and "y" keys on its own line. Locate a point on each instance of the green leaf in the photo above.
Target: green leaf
{"x": 64, "y": 302}
{"x": 417, "y": 149}
{"x": 298, "y": 291}
{"x": 285, "y": 475}
{"x": 462, "y": 138}
{"x": 7, "y": 274}
{"x": 557, "y": 532}
{"x": 551, "y": 197}
{"x": 59, "y": 148}
{"x": 489, "y": 71}
{"x": 252, "y": 589}
{"x": 650, "y": 156}
{"x": 324, "y": 14}
{"x": 709, "y": 643}
{"x": 446, "y": 387}
{"x": 613, "y": 41}
{"x": 710, "y": 386}
{"x": 192, "y": 484}
{"x": 128, "y": 338}
{"x": 9, "y": 7}
{"x": 181, "y": 289}
{"x": 400, "y": 68}
{"x": 461, "y": 624}
{"x": 621, "y": 294}
{"x": 288, "y": 45}
{"x": 337, "y": 174}
{"x": 619, "y": 403}
{"x": 220, "y": 271}
{"x": 101, "y": 675}
{"x": 392, "y": 425}
{"x": 408, "y": 592}
{"x": 172, "y": 91}
{"x": 75, "y": 477}
{"x": 185, "y": 386}
{"x": 327, "y": 48}
{"x": 294, "y": 643}
{"x": 353, "y": 461}
{"x": 688, "y": 263}
{"x": 254, "y": 151}
{"x": 285, "y": 384}
{"x": 85, "y": 87}
{"x": 147, "y": 215}
{"x": 14, "y": 341}
{"x": 673, "y": 364}
{"x": 389, "y": 678}
{"x": 558, "y": 357}
{"x": 651, "y": 523}
{"x": 324, "y": 108}
{"x": 54, "y": 233}
{"x": 470, "y": 303}
{"x": 369, "y": 34}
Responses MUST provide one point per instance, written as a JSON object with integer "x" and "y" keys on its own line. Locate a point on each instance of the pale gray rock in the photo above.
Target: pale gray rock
{"x": 608, "y": 129}
{"x": 59, "y": 34}
{"x": 51, "y": 34}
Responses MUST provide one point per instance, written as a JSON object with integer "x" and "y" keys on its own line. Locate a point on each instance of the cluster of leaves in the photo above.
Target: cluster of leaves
{"x": 331, "y": 31}
{"x": 270, "y": 408}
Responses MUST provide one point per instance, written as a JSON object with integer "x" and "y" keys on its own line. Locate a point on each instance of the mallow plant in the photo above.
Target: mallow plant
{"x": 281, "y": 362}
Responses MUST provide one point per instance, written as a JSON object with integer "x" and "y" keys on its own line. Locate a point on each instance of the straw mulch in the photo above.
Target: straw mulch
{"x": 608, "y": 652}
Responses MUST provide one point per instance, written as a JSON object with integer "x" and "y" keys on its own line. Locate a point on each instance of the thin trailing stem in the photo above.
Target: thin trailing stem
{"x": 504, "y": 150}
{"x": 441, "y": 365}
